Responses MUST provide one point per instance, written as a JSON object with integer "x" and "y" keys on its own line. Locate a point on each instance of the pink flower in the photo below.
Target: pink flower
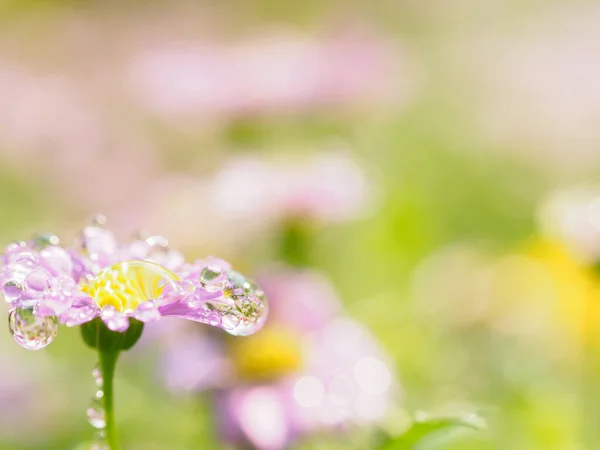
{"x": 271, "y": 74}
{"x": 46, "y": 284}
{"x": 310, "y": 369}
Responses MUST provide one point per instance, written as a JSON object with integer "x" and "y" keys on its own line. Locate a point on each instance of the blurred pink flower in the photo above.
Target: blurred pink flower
{"x": 310, "y": 369}
{"x": 329, "y": 186}
{"x": 252, "y": 193}
{"x": 274, "y": 73}
{"x": 53, "y": 129}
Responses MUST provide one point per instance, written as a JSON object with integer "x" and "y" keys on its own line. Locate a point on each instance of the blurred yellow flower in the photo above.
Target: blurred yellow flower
{"x": 272, "y": 353}
{"x": 576, "y": 286}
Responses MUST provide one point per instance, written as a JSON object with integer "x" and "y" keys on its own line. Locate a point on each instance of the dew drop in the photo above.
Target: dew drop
{"x": 30, "y": 330}
{"x": 44, "y": 240}
{"x": 12, "y": 291}
{"x": 97, "y": 375}
{"x": 147, "y": 312}
{"x": 24, "y": 262}
{"x": 214, "y": 319}
{"x": 38, "y": 280}
{"x": 98, "y": 220}
{"x": 99, "y": 442}
{"x": 213, "y": 278}
{"x": 230, "y": 321}
{"x": 57, "y": 260}
{"x": 95, "y": 413}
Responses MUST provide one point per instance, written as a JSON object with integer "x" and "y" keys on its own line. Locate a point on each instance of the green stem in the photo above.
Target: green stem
{"x": 108, "y": 361}
{"x": 295, "y": 242}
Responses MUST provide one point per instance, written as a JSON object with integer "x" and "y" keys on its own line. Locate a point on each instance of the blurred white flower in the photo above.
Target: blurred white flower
{"x": 535, "y": 86}
{"x": 572, "y": 217}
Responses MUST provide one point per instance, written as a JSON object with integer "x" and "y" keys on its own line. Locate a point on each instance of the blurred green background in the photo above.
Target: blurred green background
{"x": 464, "y": 116}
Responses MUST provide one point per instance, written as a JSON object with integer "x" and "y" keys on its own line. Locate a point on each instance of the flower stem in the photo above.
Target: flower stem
{"x": 108, "y": 361}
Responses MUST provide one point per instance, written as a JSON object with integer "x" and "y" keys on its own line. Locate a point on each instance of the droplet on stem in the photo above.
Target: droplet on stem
{"x": 96, "y": 414}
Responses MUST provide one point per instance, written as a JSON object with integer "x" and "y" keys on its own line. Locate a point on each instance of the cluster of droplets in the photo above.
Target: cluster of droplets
{"x": 242, "y": 307}
{"x": 96, "y": 413}
{"x": 46, "y": 284}
{"x": 37, "y": 283}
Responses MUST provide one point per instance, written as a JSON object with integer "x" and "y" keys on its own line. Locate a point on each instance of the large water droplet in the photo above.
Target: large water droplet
{"x": 12, "y": 291}
{"x": 96, "y": 414}
{"x": 97, "y": 375}
{"x": 127, "y": 284}
{"x": 30, "y": 330}
{"x": 57, "y": 260}
{"x": 213, "y": 278}
{"x": 38, "y": 280}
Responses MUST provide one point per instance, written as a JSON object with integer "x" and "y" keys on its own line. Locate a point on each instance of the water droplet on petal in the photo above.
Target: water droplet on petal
{"x": 25, "y": 262}
{"x": 214, "y": 319}
{"x": 213, "y": 278}
{"x": 95, "y": 413}
{"x": 16, "y": 247}
{"x": 147, "y": 312}
{"x": 127, "y": 284}
{"x": 12, "y": 291}
{"x": 114, "y": 320}
{"x": 30, "y": 330}
{"x": 97, "y": 375}
{"x": 43, "y": 240}
{"x": 230, "y": 321}
{"x": 38, "y": 280}
{"x": 57, "y": 260}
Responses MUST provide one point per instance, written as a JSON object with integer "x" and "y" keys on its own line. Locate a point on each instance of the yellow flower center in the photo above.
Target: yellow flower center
{"x": 272, "y": 353}
{"x": 127, "y": 284}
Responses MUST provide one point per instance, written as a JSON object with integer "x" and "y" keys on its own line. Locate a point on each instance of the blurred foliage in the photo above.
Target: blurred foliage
{"x": 440, "y": 184}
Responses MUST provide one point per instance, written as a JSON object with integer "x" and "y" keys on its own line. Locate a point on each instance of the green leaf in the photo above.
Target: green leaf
{"x": 424, "y": 430}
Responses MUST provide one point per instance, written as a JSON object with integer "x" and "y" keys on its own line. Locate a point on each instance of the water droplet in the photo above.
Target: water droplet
{"x": 97, "y": 375}
{"x": 213, "y": 278}
{"x": 158, "y": 244}
{"x": 214, "y": 319}
{"x": 114, "y": 320}
{"x": 38, "y": 280}
{"x": 44, "y": 240}
{"x": 12, "y": 291}
{"x": 98, "y": 220}
{"x": 95, "y": 413}
{"x": 99, "y": 442}
{"x": 127, "y": 284}
{"x": 147, "y": 312}
{"x": 57, "y": 260}
{"x": 25, "y": 262}
{"x": 30, "y": 330}
{"x": 230, "y": 321}
{"x": 16, "y": 247}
